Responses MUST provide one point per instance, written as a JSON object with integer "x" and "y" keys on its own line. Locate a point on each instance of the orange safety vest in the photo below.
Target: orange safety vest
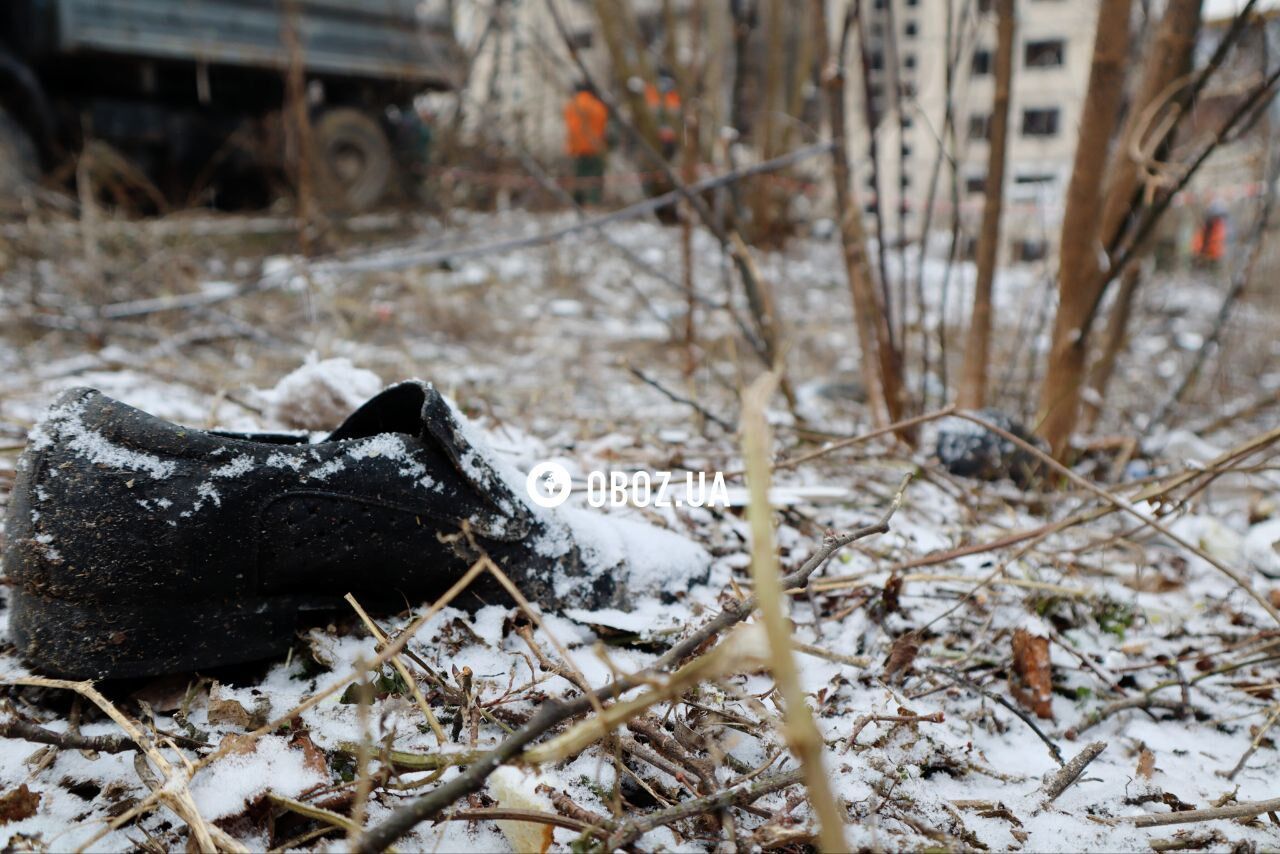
{"x": 665, "y": 107}
{"x": 1210, "y": 241}
{"x": 585, "y": 119}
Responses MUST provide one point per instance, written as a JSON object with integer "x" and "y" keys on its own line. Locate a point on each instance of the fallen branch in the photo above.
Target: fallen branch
{"x": 676, "y": 398}
{"x": 960, "y": 679}
{"x": 861, "y": 723}
{"x": 1245, "y": 810}
{"x": 27, "y": 731}
{"x": 1061, "y": 780}
{"x": 733, "y": 796}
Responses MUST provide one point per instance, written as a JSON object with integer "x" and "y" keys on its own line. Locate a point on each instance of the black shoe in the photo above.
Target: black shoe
{"x": 138, "y": 547}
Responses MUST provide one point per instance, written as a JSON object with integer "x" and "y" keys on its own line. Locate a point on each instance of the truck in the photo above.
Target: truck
{"x": 198, "y": 95}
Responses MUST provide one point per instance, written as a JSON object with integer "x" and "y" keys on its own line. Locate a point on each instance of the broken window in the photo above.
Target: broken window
{"x": 979, "y": 126}
{"x": 1040, "y": 121}
{"x": 981, "y": 62}
{"x": 1045, "y": 53}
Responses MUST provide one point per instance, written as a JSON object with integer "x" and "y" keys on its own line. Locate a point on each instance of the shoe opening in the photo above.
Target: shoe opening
{"x": 397, "y": 409}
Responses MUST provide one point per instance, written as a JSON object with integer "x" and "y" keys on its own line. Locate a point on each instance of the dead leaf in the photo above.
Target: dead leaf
{"x": 901, "y": 655}
{"x": 227, "y": 711}
{"x": 1146, "y": 764}
{"x": 238, "y": 744}
{"x": 890, "y": 601}
{"x": 18, "y": 804}
{"x": 1032, "y": 681}
{"x": 313, "y": 756}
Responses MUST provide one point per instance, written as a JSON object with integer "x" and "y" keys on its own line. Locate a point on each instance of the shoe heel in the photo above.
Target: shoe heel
{"x": 99, "y": 640}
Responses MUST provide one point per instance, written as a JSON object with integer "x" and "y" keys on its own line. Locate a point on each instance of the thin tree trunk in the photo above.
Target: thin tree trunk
{"x": 613, "y": 18}
{"x": 1113, "y": 343}
{"x": 871, "y": 117}
{"x": 1082, "y": 281}
{"x": 881, "y": 364}
{"x": 977, "y": 351}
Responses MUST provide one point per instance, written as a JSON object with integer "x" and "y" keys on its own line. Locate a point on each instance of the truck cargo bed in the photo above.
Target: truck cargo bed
{"x": 357, "y": 38}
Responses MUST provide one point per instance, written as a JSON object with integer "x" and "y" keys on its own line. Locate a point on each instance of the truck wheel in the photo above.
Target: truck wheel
{"x": 354, "y": 159}
{"x": 19, "y": 165}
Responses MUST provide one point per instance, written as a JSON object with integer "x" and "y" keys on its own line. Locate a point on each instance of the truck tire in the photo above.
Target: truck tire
{"x": 354, "y": 160}
{"x": 19, "y": 163}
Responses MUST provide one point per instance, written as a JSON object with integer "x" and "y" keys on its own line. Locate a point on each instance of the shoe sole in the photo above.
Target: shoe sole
{"x": 97, "y": 640}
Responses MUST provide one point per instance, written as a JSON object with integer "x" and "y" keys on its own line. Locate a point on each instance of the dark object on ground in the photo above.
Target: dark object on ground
{"x": 139, "y": 547}
{"x": 970, "y": 450}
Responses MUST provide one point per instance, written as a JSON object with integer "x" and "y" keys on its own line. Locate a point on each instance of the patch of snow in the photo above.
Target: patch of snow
{"x": 228, "y": 785}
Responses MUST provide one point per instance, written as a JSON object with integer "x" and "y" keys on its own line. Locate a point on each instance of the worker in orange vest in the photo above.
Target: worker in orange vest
{"x": 1209, "y": 243}
{"x": 663, "y": 101}
{"x": 586, "y": 119}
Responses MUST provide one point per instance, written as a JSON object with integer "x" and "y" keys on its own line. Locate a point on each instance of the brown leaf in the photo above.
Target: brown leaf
{"x": 17, "y": 804}
{"x": 239, "y": 744}
{"x": 227, "y": 710}
{"x": 901, "y": 655}
{"x": 313, "y": 756}
{"x": 1146, "y": 764}
{"x": 890, "y": 602}
{"x": 1032, "y": 680}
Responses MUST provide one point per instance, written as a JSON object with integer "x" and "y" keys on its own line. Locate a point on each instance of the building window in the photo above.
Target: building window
{"x": 871, "y": 181}
{"x": 875, "y": 61}
{"x": 905, "y": 151}
{"x": 1030, "y": 249}
{"x": 908, "y": 89}
{"x": 1034, "y": 179}
{"x": 877, "y": 29}
{"x": 880, "y": 4}
{"x": 909, "y": 60}
{"x": 904, "y": 182}
{"x": 908, "y": 122}
{"x": 985, "y": 6}
{"x": 981, "y": 62}
{"x": 975, "y": 184}
{"x": 911, "y": 29}
{"x": 1046, "y": 53}
{"x": 871, "y": 207}
{"x": 1041, "y": 121}
{"x": 980, "y": 126}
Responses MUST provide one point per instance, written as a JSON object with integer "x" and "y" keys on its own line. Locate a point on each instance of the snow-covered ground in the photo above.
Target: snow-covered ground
{"x": 538, "y": 346}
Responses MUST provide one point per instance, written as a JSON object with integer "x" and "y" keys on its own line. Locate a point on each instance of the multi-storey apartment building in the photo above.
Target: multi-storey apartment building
{"x": 917, "y": 47}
